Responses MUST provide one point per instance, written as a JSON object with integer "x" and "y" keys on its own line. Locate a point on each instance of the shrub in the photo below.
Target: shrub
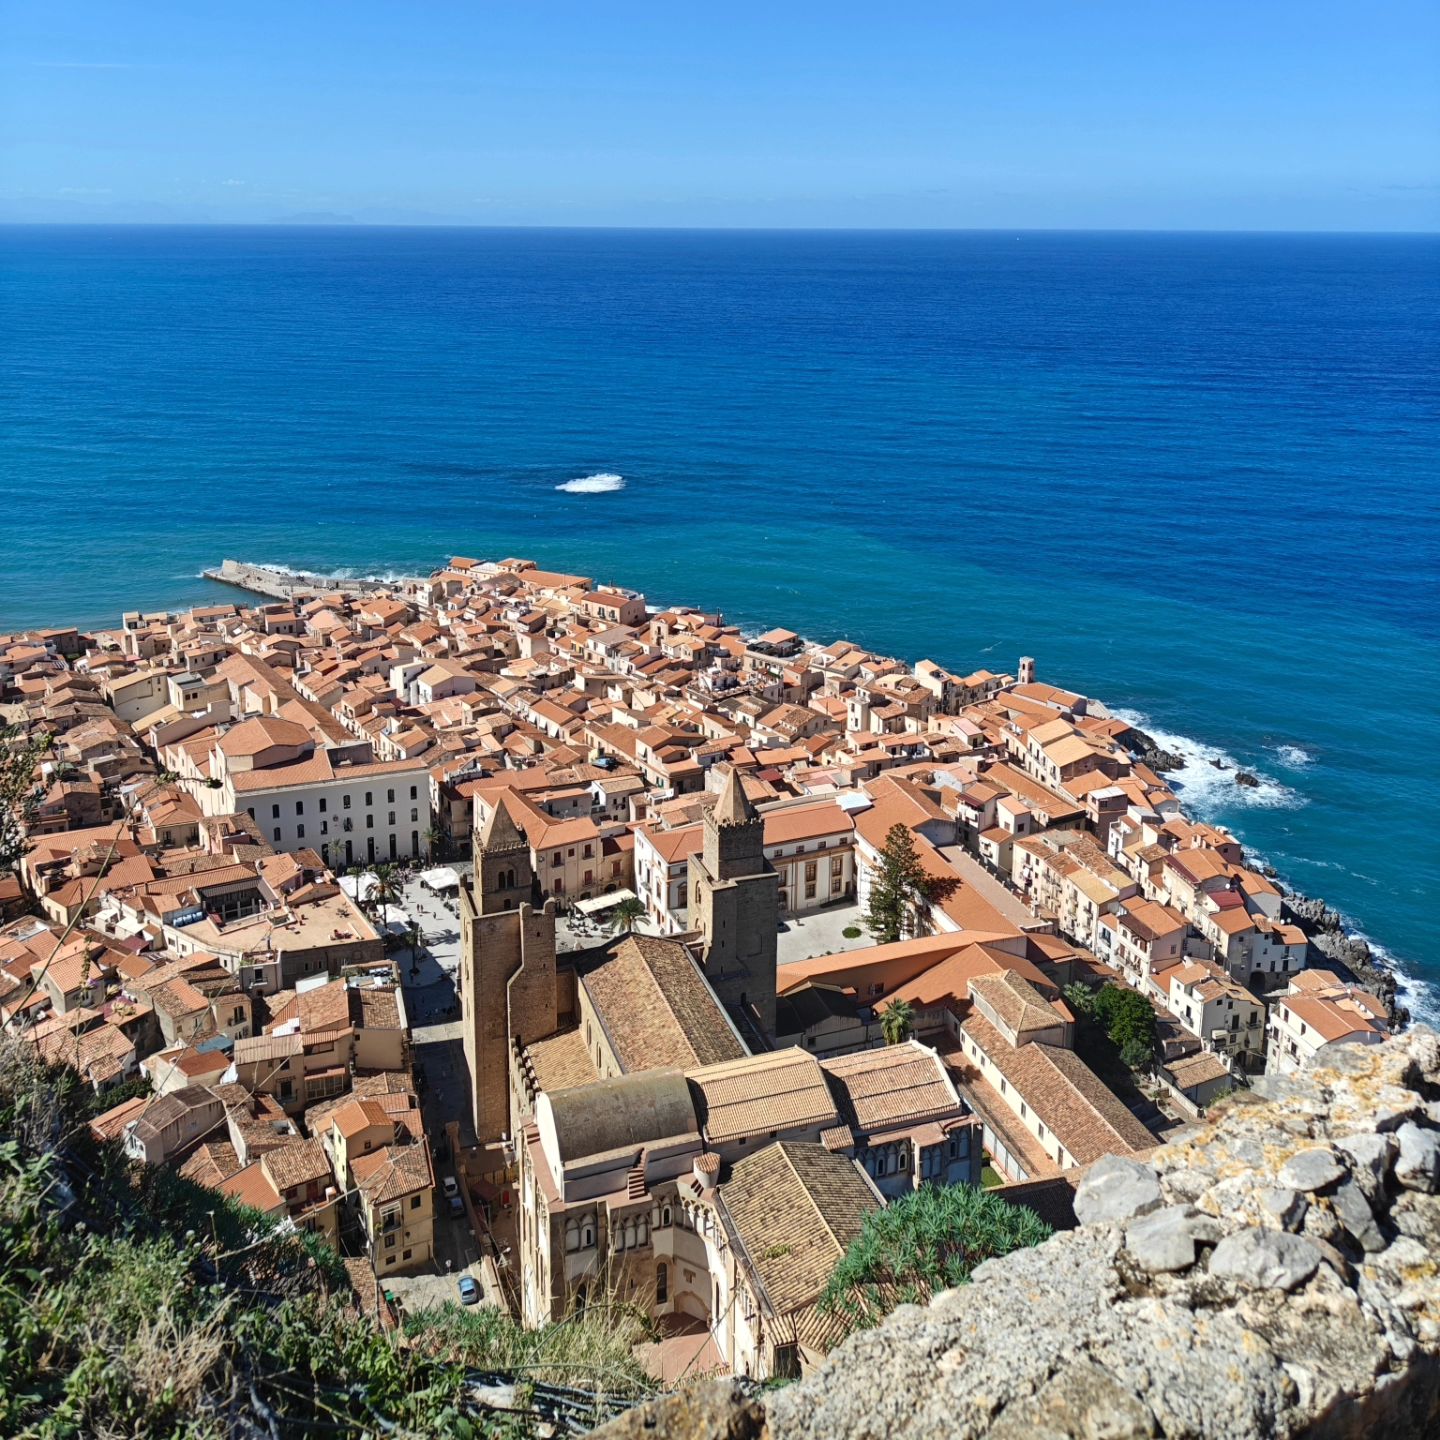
{"x": 928, "y": 1240}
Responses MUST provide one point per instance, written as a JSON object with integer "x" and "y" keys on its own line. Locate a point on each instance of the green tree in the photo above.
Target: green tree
{"x": 19, "y": 794}
{"x": 435, "y": 841}
{"x": 1129, "y": 1021}
{"x": 900, "y": 887}
{"x": 627, "y": 914}
{"x": 896, "y": 1022}
{"x": 386, "y": 889}
{"x": 928, "y": 1240}
{"x": 1081, "y": 997}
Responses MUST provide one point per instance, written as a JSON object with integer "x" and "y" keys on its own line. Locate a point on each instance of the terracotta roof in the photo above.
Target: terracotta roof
{"x": 657, "y": 1009}
{"x": 561, "y": 1061}
{"x": 1017, "y": 1002}
{"x": 895, "y": 1085}
{"x": 297, "y": 1164}
{"x": 392, "y": 1172}
{"x": 780, "y": 1090}
{"x": 796, "y": 1208}
{"x": 1077, "y": 1107}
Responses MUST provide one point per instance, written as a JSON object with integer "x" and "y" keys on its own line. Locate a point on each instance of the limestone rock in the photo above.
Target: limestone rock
{"x": 1268, "y": 1259}
{"x": 1312, "y": 1170}
{"x": 1117, "y": 1189}
{"x": 1166, "y": 1239}
{"x": 1417, "y": 1166}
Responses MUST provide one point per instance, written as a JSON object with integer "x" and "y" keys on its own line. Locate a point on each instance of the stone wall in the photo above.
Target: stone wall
{"x": 284, "y": 584}
{"x": 1273, "y": 1273}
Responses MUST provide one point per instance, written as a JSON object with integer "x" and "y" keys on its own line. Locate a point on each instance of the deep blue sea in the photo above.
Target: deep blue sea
{"x": 1194, "y": 475}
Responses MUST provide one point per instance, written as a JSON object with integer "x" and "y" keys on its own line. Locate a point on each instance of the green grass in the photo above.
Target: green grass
{"x": 990, "y": 1177}
{"x": 135, "y": 1303}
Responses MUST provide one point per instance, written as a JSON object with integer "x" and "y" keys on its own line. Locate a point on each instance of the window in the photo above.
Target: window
{"x": 406, "y": 1255}
{"x": 556, "y": 861}
{"x": 369, "y": 797}
{"x": 391, "y": 820}
{"x": 414, "y": 1202}
{"x": 346, "y": 802}
{"x": 299, "y": 832}
{"x": 299, "y": 807}
{"x": 322, "y": 804}
{"x": 389, "y": 797}
{"x": 414, "y": 794}
{"x": 662, "y": 1283}
{"x": 589, "y": 851}
{"x": 414, "y": 814}
{"x": 274, "y": 812}
{"x": 370, "y": 825}
{"x": 277, "y": 834}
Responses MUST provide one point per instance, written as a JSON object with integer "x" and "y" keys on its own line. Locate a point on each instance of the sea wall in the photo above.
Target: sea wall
{"x": 1272, "y": 1273}
{"x": 282, "y": 584}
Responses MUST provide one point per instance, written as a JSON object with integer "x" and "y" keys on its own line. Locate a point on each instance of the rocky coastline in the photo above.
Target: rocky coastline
{"x": 1331, "y": 943}
{"x": 1338, "y": 949}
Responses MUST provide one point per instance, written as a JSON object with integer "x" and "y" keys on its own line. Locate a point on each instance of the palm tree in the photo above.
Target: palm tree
{"x": 435, "y": 841}
{"x": 627, "y": 914}
{"x": 386, "y": 889}
{"x": 896, "y": 1022}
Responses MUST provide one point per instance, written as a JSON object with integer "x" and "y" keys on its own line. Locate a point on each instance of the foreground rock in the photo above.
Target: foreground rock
{"x": 1276, "y": 1273}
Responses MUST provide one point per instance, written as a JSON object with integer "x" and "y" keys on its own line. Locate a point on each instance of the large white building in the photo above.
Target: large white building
{"x": 336, "y": 799}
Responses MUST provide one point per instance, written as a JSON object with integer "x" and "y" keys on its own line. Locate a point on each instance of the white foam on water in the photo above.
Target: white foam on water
{"x": 1204, "y": 790}
{"x": 1205, "y": 784}
{"x": 602, "y": 484}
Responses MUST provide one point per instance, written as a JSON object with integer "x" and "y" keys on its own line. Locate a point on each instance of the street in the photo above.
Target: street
{"x": 432, "y": 1007}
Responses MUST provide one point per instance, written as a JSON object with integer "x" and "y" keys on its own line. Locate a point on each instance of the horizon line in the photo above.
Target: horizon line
{"x": 341, "y": 224}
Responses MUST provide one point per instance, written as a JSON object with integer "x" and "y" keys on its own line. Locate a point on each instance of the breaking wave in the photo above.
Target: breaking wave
{"x": 1205, "y": 784}
{"x": 1294, "y": 756}
{"x": 602, "y": 484}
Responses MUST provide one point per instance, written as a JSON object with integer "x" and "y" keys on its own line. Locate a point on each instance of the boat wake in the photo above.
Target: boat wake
{"x": 601, "y": 484}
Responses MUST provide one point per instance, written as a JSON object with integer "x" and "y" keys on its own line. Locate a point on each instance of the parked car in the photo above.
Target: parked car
{"x": 452, "y": 1187}
{"x": 469, "y": 1290}
{"x": 457, "y": 1207}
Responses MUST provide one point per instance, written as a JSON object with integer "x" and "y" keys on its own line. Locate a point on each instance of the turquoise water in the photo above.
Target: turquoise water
{"x": 1193, "y": 475}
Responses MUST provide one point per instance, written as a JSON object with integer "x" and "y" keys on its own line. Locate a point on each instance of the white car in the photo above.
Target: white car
{"x": 451, "y": 1186}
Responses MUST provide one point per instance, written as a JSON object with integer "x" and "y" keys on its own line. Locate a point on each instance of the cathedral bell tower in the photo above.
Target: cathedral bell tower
{"x": 735, "y": 906}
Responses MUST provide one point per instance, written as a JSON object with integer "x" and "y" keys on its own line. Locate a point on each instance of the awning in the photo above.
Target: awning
{"x": 394, "y": 919}
{"x": 358, "y": 887}
{"x": 603, "y": 902}
{"x": 442, "y": 877}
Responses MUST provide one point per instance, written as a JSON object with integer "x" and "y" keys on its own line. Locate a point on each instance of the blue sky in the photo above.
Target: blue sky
{"x": 972, "y": 113}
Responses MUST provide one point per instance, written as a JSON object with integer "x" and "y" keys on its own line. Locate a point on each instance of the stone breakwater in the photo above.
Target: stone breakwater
{"x": 282, "y": 584}
{"x": 1274, "y": 1273}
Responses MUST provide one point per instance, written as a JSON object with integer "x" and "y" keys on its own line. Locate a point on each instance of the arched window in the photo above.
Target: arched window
{"x": 630, "y": 1234}
{"x": 588, "y": 1236}
{"x": 572, "y": 1236}
{"x": 665, "y": 1216}
{"x": 662, "y": 1283}
{"x": 642, "y": 1230}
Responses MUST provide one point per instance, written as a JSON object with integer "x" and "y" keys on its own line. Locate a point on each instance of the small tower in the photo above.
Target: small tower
{"x": 508, "y": 987}
{"x": 504, "y": 877}
{"x": 1027, "y": 670}
{"x": 735, "y": 906}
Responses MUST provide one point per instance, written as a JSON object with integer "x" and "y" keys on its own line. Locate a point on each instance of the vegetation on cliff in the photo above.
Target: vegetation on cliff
{"x": 135, "y": 1303}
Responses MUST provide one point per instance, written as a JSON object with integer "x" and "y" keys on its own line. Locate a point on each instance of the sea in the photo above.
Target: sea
{"x": 1194, "y": 475}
